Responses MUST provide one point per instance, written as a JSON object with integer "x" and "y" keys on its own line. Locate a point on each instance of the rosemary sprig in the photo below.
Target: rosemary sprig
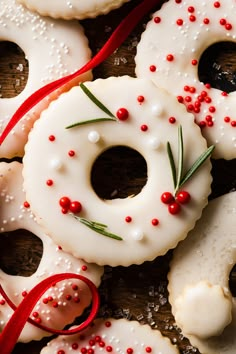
{"x": 177, "y": 173}
{"x": 99, "y": 104}
{"x": 97, "y": 227}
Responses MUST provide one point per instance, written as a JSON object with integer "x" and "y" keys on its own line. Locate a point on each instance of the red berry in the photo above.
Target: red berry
{"x": 174, "y": 208}
{"x": 183, "y": 197}
{"x": 122, "y": 114}
{"x": 64, "y": 202}
{"x": 75, "y": 207}
{"x": 167, "y": 198}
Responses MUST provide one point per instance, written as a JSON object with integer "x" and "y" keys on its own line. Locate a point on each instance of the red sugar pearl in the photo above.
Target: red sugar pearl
{"x": 61, "y": 352}
{"x": 26, "y": 204}
{"x": 71, "y": 153}
{"x": 188, "y": 98}
{"x": 194, "y": 62}
{"x": 24, "y": 293}
{"x": 35, "y": 314}
{"x": 55, "y": 304}
{"x": 233, "y": 123}
{"x": 51, "y": 138}
{"x": 223, "y": 93}
{"x": 75, "y": 207}
{"x": 144, "y": 127}
{"x": 157, "y": 19}
{"x": 167, "y": 198}
{"x": 49, "y": 182}
{"x": 222, "y": 21}
{"x": 148, "y": 349}
{"x": 228, "y": 26}
{"x": 83, "y": 350}
{"x": 178, "y": 1}
{"x": 212, "y": 109}
{"x": 186, "y": 88}
{"x": 122, "y": 114}
{"x": 2, "y": 302}
{"x": 108, "y": 324}
{"x": 206, "y": 21}
{"x": 191, "y": 9}
{"x": 152, "y": 68}
{"x": 91, "y": 342}
{"x": 217, "y": 4}
{"x": 183, "y": 197}
{"x": 75, "y": 346}
{"x": 208, "y": 86}
{"x": 179, "y": 22}
{"x": 192, "y": 18}
{"x": 210, "y": 124}
{"x": 97, "y": 338}
{"x": 129, "y": 351}
{"x": 227, "y": 119}
{"x": 109, "y": 349}
{"x": 155, "y": 222}
{"x": 140, "y": 99}
{"x": 74, "y": 287}
{"x": 170, "y": 57}
{"x": 38, "y": 320}
{"x": 172, "y": 120}
{"x": 90, "y": 351}
{"x": 174, "y": 208}
{"x": 202, "y": 124}
{"x": 68, "y": 297}
{"x": 180, "y": 99}
{"x": 128, "y": 219}
{"x": 76, "y": 299}
{"x": 84, "y": 268}
{"x": 101, "y": 344}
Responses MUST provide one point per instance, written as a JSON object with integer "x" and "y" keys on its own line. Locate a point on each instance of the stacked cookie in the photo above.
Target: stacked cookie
{"x": 175, "y": 127}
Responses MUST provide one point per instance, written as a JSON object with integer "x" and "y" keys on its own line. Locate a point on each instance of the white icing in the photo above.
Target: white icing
{"x": 53, "y": 48}
{"x": 207, "y": 256}
{"x": 74, "y": 180}
{"x": 188, "y": 42}
{"x": 54, "y": 260}
{"x": 120, "y": 335}
{"x": 209, "y": 307}
{"x": 72, "y": 9}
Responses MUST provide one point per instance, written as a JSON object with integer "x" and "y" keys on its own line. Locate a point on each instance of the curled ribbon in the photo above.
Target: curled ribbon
{"x": 115, "y": 40}
{"x": 15, "y": 325}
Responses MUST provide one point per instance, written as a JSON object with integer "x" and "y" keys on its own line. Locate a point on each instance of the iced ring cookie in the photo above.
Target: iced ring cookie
{"x": 61, "y": 303}
{"x": 67, "y": 140}
{"x": 199, "y": 279}
{"x": 169, "y": 52}
{"x": 53, "y": 49}
{"x": 111, "y": 335}
{"x": 78, "y": 9}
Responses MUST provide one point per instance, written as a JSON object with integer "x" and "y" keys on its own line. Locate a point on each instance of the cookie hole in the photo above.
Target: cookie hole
{"x": 13, "y": 70}
{"x": 232, "y": 281}
{"x": 217, "y": 66}
{"x": 119, "y": 172}
{"x": 20, "y": 253}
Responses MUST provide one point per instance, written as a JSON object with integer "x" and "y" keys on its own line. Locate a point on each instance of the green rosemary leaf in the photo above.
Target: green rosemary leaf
{"x": 180, "y": 157}
{"x": 97, "y": 227}
{"x": 96, "y": 120}
{"x": 95, "y": 100}
{"x": 202, "y": 158}
{"x": 172, "y": 163}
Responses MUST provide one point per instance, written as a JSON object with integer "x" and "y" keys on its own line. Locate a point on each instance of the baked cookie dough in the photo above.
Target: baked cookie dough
{"x": 199, "y": 292}
{"x": 62, "y": 302}
{"x": 58, "y": 162}
{"x": 53, "y": 49}
{"x": 78, "y": 9}
{"x": 169, "y": 53}
{"x": 120, "y": 336}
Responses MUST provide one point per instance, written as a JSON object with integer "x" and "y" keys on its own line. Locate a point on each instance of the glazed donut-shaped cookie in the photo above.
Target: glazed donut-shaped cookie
{"x": 58, "y": 182}
{"x": 53, "y": 49}
{"x": 78, "y": 9}
{"x": 110, "y": 335}
{"x": 199, "y": 280}
{"x": 169, "y": 52}
{"x": 61, "y": 303}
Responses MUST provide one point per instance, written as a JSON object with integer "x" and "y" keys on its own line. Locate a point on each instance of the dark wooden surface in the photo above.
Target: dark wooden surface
{"x": 135, "y": 292}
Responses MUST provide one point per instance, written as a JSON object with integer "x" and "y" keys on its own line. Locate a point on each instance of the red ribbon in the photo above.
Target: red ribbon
{"x": 15, "y": 325}
{"x": 115, "y": 40}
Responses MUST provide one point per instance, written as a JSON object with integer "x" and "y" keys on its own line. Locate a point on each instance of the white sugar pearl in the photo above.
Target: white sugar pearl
{"x": 157, "y": 110}
{"x": 56, "y": 164}
{"x": 154, "y": 143}
{"x": 137, "y": 235}
{"x": 93, "y": 136}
